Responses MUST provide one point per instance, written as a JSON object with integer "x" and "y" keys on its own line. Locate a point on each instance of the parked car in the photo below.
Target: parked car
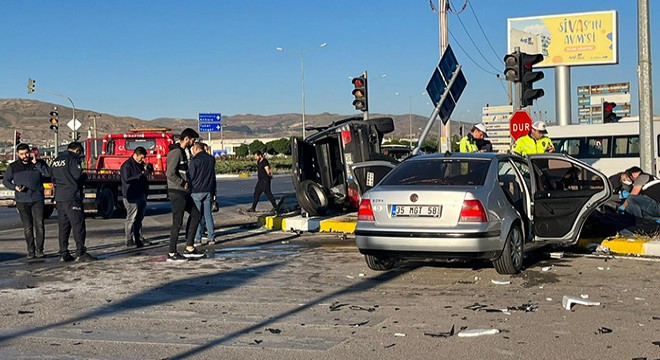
{"x": 322, "y": 163}
{"x": 477, "y": 206}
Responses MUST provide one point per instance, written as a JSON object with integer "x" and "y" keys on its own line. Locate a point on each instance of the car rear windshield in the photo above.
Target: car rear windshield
{"x": 459, "y": 172}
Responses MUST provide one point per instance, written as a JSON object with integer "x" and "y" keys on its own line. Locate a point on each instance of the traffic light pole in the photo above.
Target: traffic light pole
{"x": 563, "y": 95}
{"x": 645, "y": 89}
{"x": 365, "y": 114}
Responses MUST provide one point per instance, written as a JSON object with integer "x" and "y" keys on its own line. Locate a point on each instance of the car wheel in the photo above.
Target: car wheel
{"x": 511, "y": 260}
{"x": 48, "y": 211}
{"x": 379, "y": 263}
{"x": 312, "y": 198}
{"x": 106, "y": 203}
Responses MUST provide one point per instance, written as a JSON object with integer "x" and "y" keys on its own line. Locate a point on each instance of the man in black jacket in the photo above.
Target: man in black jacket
{"x": 68, "y": 178}
{"x": 178, "y": 190}
{"x": 134, "y": 187}
{"x": 264, "y": 177}
{"x": 26, "y": 178}
{"x": 201, "y": 177}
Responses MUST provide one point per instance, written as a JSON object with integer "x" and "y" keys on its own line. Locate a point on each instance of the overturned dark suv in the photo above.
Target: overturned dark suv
{"x": 335, "y": 165}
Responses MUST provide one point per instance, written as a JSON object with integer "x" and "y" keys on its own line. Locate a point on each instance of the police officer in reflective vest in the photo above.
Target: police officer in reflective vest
{"x": 68, "y": 177}
{"x": 535, "y": 142}
{"x": 469, "y": 142}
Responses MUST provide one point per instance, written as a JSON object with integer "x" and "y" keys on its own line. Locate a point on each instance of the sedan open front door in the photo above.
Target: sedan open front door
{"x": 564, "y": 192}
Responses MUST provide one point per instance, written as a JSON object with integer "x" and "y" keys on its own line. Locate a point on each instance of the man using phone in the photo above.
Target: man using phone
{"x": 26, "y": 177}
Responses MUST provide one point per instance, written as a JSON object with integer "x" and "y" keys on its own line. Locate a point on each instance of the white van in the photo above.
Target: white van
{"x": 610, "y": 148}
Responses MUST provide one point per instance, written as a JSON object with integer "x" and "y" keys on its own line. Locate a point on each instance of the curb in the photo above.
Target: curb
{"x": 339, "y": 224}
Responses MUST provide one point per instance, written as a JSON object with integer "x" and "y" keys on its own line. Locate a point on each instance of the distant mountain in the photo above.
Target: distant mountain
{"x": 31, "y": 119}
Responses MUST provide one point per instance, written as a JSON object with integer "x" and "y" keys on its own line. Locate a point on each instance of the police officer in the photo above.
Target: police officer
{"x": 535, "y": 142}
{"x": 469, "y": 142}
{"x": 68, "y": 178}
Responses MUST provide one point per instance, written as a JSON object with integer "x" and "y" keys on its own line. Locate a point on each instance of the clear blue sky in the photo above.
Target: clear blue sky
{"x": 168, "y": 58}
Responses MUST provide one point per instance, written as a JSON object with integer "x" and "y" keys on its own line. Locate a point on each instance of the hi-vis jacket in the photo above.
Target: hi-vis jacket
{"x": 527, "y": 145}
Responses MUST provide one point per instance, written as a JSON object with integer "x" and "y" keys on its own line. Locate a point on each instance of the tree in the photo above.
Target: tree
{"x": 257, "y": 145}
{"x": 282, "y": 146}
{"x": 455, "y": 139}
{"x": 270, "y": 147}
{"x": 242, "y": 151}
{"x": 429, "y": 146}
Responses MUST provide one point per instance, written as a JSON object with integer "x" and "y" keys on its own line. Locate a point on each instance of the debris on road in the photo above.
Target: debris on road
{"x": 500, "y": 282}
{"x": 568, "y": 301}
{"x": 274, "y": 331}
{"x": 336, "y": 306}
{"x": 358, "y": 307}
{"x": 399, "y": 334}
{"x": 546, "y": 268}
{"x": 443, "y": 335}
{"x": 603, "y": 330}
{"x": 477, "y": 332}
{"x": 359, "y": 324}
{"x": 557, "y": 255}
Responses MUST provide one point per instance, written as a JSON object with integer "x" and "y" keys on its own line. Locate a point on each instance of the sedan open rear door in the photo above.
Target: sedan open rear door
{"x": 565, "y": 191}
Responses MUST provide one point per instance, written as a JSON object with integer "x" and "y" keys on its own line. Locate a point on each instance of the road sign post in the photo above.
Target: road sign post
{"x": 520, "y": 124}
{"x": 444, "y": 88}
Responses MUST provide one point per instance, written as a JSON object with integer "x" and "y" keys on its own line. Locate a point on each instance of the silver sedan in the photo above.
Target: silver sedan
{"x": 477, "y": 206}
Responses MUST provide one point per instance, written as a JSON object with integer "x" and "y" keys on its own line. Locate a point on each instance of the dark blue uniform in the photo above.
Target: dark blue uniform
{"x": 68, "y": 178}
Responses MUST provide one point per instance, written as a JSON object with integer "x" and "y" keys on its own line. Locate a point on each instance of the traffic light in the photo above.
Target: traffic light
{"x": 54, "y": 120}
{"x": 30, "y": 86}
{"x": 609, "y": 115}
{"x": 18, "y": 138}
{"x": 512, "y": 67}
{"x": 360, "y": 93}
{"x": 528, "y": 77}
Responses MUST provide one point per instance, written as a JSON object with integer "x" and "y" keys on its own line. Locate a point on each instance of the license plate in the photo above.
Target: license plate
{"x": 416, "y": 210}
{"x": 6, "y": 194}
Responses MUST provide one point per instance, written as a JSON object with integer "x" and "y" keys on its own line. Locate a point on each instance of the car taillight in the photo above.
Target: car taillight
{"x": 365, "y": 212}
{"x": 473, "y": 211}
{"x": 345, "y": 137}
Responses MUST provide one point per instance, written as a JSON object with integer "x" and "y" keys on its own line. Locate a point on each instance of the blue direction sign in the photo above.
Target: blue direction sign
{"x": 209, "y": 117}
{"x": 210, "y": 127}
{"x": 440, "y": 79}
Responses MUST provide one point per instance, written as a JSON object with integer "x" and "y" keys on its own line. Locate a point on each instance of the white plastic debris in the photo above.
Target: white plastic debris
{"x": 399, "y": 334}
{"x": 361, "y": 275}
{"x": 584, "y": 296}
{"x": 639, "y": 299}
{"x": 568, "y": 301}
{"x": 557, "y": 255}
{"x": 546, "y": 268}
{"x": 477, "y": 332}
{"x": 601, "y": 268}
{"x": 500, "y": 282}
{"x": 350, "y": 277}
{"x": 476, "y": 278}
{"x": 548, "y": 299}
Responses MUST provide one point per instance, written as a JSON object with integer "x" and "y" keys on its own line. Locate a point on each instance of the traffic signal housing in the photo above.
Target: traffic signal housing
{"x": 54, "y": 120}
{"x": 609, "y": 116}
{"x": 512, "y": 67}
{"x": 360, "y": 93}
{"x": 18, "y": 138}
{"x": 30, "y": 86}
{"x": 528, "y": 77}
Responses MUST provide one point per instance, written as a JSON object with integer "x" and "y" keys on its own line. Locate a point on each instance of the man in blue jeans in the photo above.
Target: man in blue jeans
{"x": 134, "y": 188}
{"x": 201, "y": 177}
{"x": 26, "y": 178}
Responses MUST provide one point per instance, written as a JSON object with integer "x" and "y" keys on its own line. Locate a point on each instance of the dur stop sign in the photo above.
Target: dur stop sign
{"x": 520, "y": 124}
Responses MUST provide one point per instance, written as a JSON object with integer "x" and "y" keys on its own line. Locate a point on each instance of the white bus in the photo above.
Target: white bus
{"x": 610, "y": 148}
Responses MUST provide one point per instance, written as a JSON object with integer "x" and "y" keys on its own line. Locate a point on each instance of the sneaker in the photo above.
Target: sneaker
{"x": 176, "y": 257}
{"x": 144, "y": 242}
{"x": 39, "y": 254}
{"x": 210, "y": 242}
{"x": 66, "y": 258}
{"x": 130, "y": 243}
{"x": 192, "y": 254}
{"x": 86, "y": 257}
{"x": 30, "y": 255}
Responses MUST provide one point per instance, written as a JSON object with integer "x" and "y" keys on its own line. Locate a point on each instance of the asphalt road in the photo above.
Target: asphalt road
{"x": 276, "y": 295}
{"x": 231, "y": 191}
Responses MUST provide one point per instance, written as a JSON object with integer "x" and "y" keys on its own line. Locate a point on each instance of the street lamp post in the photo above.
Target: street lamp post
{"x": 302, "y": 79}
{"x": 410, "y": 133}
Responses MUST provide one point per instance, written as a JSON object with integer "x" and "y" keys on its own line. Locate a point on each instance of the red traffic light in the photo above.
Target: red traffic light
{"x": 358, "y": 82}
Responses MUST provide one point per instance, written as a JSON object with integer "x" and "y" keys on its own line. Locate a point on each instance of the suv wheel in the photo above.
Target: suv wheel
{"x": 312, "y": 198}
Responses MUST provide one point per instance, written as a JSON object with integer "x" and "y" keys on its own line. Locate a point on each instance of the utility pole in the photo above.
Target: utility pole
{"x": 443, "y": 6}
{"x": 645, "y": 88}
